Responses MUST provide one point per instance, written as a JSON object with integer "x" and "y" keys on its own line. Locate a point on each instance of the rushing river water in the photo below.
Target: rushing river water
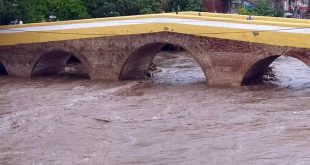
{"x": 173, "y": 118}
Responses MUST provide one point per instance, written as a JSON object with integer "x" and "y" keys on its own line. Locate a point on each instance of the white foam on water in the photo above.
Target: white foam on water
{"x": 291, "y": 72}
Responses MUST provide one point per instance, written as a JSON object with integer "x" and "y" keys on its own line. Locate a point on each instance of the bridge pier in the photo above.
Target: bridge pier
{"x": 18, "y": 70}
{"x": 102, "y": 72}
{"x": 15, "y": 68}
{"x": 220, "y": 77}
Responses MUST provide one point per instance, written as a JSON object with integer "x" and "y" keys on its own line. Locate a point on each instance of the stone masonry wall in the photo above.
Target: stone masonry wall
{"x": 224, "y": 62}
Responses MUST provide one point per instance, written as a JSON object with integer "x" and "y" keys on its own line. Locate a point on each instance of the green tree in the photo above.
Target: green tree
{"x": 67, "y": 10}
{"x": 33, "y": 10}
{"x": 9, "y": 11}
{"x": 263, "y": 8}
{"x": 244, "y": 11}
{"x": 148, "y": 6}
{"x": 106, "y": 8}
{"x": 101, "y": 8}
{"x": 193, "y": 5}
{"x": 37, "y": 10}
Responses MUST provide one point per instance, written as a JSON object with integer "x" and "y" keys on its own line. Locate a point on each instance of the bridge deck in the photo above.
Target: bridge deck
{"x": 266, "y": 30}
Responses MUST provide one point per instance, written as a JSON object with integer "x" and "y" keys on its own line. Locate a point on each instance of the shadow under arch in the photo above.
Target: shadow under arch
{"x": 137, "y": 64}
{"x": 259, "y": 68}
{"x": 55, "y": 61}
{"x": 3, "y": 71}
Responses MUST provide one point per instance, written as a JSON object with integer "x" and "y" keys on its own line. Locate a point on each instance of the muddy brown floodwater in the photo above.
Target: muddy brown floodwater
{"x": 173, "y": 118}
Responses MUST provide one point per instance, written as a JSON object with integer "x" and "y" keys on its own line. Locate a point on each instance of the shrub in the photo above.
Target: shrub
{"x": 262, "y": 8}
{"x": 244, "y": 11}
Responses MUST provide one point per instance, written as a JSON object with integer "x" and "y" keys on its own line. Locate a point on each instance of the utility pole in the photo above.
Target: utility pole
{"x": 176, "y": 6}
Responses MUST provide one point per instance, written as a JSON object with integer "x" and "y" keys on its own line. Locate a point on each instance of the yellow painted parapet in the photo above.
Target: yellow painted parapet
{"x": 244, "y": 17}
{"x": 266, "y": 30}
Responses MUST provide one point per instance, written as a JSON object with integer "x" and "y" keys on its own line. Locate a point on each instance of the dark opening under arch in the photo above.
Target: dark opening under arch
{"x": 263, "y": 70}
{"x": 59, "y": 62}
{"x": 141, "y": 61}
{"x": 3, "y": 71}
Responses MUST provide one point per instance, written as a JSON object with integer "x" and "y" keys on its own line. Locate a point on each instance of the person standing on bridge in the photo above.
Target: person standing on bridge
{"x": 20, "y": 22}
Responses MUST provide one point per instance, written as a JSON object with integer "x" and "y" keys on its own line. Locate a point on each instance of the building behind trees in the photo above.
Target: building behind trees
{"x": 217, "y": 6}
{"x": 292, "y": 8}
{"x": 223, "y": 6}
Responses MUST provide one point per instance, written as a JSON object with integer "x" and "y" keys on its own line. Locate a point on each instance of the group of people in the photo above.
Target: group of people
{"x": 17, "y": 22}
{"x": 51, "y": 18}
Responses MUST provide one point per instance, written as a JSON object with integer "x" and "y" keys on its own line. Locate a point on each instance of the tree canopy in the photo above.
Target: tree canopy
{"x": 39, "y": 10}
{"x": 263, "y": 8}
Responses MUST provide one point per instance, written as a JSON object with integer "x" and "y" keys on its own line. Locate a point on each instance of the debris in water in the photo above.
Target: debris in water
{"x": 102, "y": 120}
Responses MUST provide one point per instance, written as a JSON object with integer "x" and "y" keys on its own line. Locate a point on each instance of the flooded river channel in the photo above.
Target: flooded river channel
{"x": 172, "y": 118}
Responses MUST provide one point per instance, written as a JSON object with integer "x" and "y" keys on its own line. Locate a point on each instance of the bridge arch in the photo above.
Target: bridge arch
{"x": 144, "y": 49}
{"x": 257, "y": 68}
{"x": 140, "y": 59}
{"x": 53, "y": 60}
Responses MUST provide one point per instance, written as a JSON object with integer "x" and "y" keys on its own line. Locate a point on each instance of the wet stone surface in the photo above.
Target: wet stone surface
{"x": 172, "y": 118}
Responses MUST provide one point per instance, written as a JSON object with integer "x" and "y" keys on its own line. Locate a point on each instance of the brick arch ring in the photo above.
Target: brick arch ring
{"x": 144, "y": 52}
{"x": 62, "y": 49}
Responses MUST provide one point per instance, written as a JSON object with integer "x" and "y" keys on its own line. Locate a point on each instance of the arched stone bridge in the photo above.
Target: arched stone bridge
{"x": 230, "y": 49}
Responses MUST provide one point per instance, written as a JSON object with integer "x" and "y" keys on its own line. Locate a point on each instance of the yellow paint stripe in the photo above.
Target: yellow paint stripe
{"x": 187, "y": 15}
{"x": 85, "y": 21}
{"x": 243, "y": 17}
{"x": 243, "y": 20}
{"x": 271, "y": 38}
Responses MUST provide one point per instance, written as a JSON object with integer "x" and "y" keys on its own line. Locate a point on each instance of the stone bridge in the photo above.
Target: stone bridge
{"x": 230, "y": 49}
